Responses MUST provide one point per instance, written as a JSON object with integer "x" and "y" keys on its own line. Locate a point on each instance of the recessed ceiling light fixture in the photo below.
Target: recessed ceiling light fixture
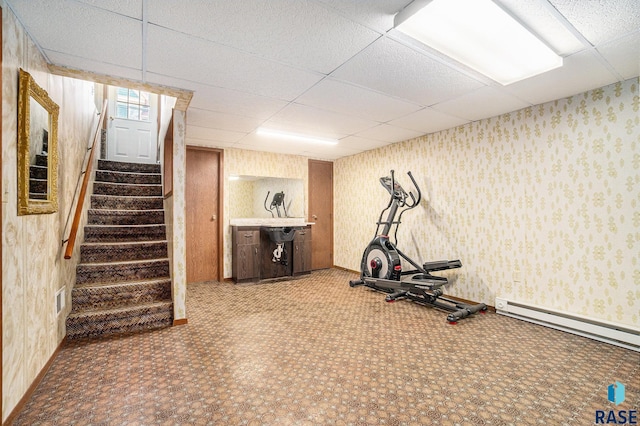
{"x": 480, "y": 35}
{"x": 294, "y": 136}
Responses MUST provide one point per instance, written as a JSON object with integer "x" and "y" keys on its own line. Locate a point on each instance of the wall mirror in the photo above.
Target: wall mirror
{"x": 248, "y": 196}
{"x": 37, "y": 148}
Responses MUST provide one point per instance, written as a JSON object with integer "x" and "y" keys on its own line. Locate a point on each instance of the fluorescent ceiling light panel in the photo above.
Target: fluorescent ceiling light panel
{"x": 262, "y": 131}
{"x": 480, "y": 35}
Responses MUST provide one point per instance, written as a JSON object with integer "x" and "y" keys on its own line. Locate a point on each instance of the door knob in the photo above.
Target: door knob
{"x": 314, "y": 217}
{"x": 214, "y": 217}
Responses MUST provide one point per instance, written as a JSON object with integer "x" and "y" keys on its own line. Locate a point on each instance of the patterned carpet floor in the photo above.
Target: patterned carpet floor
{"x": 313, "y": 351}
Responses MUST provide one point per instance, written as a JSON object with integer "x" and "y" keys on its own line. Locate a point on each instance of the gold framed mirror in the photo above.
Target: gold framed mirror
{"x": 37, "y": 148}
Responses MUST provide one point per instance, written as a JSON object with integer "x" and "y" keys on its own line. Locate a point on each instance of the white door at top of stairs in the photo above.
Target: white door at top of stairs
{"x": 132, "y": 129}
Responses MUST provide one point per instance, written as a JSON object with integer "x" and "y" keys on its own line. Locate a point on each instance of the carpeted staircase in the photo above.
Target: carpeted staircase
{"x": 123, "y": 282}
{"x": 38, "y": 173}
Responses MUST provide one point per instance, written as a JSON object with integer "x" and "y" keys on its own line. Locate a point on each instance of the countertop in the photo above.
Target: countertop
{"x": 278, "y": 221}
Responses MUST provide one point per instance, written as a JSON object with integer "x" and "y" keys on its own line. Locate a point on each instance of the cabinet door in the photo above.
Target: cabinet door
{"x": 246, "y": 258}
{"x": 302, "y": 251}
{"x": 248, "y": 261}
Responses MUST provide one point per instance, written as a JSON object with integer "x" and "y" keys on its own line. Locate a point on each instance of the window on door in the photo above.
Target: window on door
{"x": 132, "y": 104}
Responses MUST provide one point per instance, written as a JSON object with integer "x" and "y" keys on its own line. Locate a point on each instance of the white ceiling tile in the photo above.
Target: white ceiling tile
{"x": 352, "y": 100}
{"x": 363, "y": 144}
{"x": 98, "y": 67}
{"x": 482, "y": 103}
{"x": 329, "y": 152}
{"x": 217, "y": 120}
{"x": 389, "y": 133}
{"x": 322, "y": 123}
{"x": 300, "y": 33}
{"x": 375, "y": 14}
{"x": 223, "y": 100}
{"x": 182, "y": 56}
{"x": 206, "y": 133}
{"x": 131, "y": 8}
{"x": 399, "y": 71}
{"x": 428, "y": 120}
{"x": 84, "y": 31}
{"x": 257, "y": 61}
{"x": 539, "y": 19}
{"x": 600, "y": 21}
{"x": 623, "y": 55}
{"x": 270, "y": 144}
{"x": 580, "y": 72}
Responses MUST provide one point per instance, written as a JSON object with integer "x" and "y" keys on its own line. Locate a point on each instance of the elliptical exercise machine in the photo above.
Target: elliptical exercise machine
{"x": 381, "y": 268}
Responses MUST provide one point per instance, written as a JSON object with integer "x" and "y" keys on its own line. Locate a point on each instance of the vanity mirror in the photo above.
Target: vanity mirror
{"x": 254, "y": 197}
{"x": 37, "y": 148}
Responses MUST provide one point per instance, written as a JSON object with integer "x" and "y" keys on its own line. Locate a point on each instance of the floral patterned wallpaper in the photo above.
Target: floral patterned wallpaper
{"x": 541, "y": 205}
{"x": 33, "y": 267}
{"x": 178, "y": 224}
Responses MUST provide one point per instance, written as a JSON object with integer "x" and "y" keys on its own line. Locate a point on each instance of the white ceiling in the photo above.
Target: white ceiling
{"x": 331, "y": 68}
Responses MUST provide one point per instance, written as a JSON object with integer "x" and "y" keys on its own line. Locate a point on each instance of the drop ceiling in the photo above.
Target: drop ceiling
{"x": 329, "y": 68}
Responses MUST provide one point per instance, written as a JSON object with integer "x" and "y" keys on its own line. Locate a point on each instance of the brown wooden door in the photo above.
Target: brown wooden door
{"x": 321, "y": 213}
{"x": 202, "y": 214}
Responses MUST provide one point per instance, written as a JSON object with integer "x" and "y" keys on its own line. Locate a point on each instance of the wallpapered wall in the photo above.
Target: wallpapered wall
{"x": 177, "y": 227}
{"x": 33, "y": 268}
{"x": 541, "y": 205}
{"x": 254, "y": 163}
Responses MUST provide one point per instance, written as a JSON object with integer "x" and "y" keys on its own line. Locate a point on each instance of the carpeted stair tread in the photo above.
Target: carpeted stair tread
{"x": 128, "y": 167}
{"x": 122, "y": 251}
{"x": 101, "y": 322}
{"x": 125, "y": 217}
{"x": 122, "y": 271}
{"x": 111, "y": 202}
{"x": 115, "y": 233}
{"x": 122, "y": 284}
{"x": 125, "y": 262}
{"x": 126, "y": 189}
{"x": 121, "y": 294}
{"x": 128, "y": 177}
{"x": 104, "y": 314}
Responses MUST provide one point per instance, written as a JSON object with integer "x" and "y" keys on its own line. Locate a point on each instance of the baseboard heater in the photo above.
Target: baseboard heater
{"x": 602, "y": 331}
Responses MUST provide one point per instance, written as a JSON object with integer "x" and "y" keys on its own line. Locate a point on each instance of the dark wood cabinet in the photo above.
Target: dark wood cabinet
{"x": 256, "y": 257}
{"x": 246, "y": 253}
{"x": 302, "y": 251}
{"x": 276, "y": 259}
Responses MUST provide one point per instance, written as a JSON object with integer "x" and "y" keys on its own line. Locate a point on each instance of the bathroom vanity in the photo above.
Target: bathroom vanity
{"x": 270, "y": 248}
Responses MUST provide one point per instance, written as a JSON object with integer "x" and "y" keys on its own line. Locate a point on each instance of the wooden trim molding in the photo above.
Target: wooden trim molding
{"x": 221, "y": 216}
{"x": 168, "y": 160}
{"x": 1, "y": 204}
{"x": 183, "y": 97}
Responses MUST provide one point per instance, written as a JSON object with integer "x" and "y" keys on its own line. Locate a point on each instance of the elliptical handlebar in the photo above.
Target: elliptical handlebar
{"x": 398, "y": 193}
{"x": 415, "y": 185}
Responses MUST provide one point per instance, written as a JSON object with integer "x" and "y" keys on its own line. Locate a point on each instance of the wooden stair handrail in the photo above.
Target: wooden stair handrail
{"x": 71, "y": 241}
